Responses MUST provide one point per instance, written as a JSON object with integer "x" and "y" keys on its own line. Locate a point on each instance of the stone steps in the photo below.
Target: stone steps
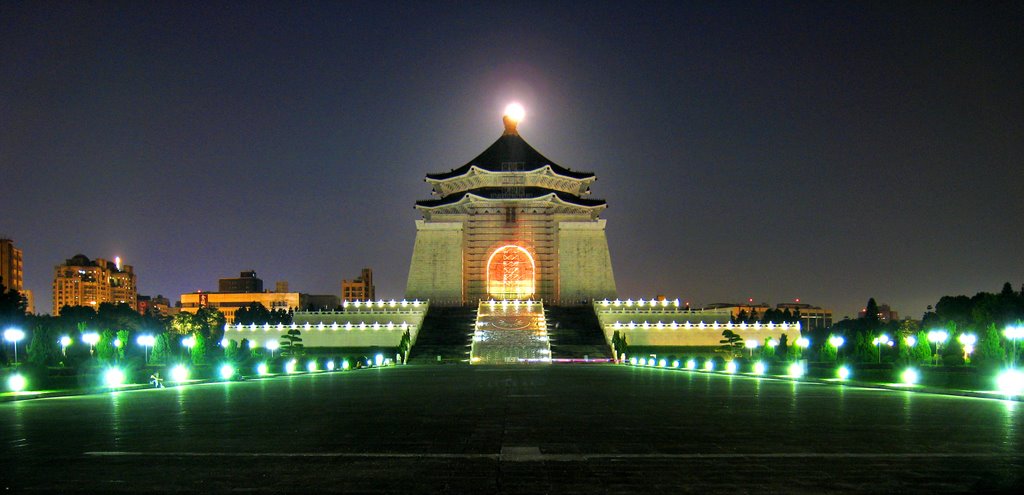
{"x": 575, "y": 333}
{"x": 445, "y": 332}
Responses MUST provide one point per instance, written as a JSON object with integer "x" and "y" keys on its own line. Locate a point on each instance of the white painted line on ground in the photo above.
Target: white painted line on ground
{"x": 534, "y": 455}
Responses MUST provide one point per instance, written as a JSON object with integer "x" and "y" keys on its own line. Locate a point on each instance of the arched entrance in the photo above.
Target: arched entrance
{"x": 511, "y": 273}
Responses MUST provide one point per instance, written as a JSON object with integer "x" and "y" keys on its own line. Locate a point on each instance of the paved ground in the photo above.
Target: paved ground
{"x": 542, "y": 429}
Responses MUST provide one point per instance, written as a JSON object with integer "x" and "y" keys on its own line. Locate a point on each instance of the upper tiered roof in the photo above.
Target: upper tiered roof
{"x": 510, "y": 153}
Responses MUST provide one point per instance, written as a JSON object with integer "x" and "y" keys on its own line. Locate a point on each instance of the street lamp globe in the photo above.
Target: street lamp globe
{"x": 14, "y": 335}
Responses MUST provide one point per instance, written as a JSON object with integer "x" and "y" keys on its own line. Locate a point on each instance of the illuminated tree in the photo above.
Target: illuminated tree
{"x": 991, "y": 351}
{"x": 125, "y": 337}
{"x": 232, "y": 352}
{"x": 404, "y": 346}
{"x": 161, "y": 349}
{"x": 291, "y": 344}
{"x": 768, "y": 350}
{"x": 922, "y": 353}
{"x": 199, "y": 349}
{"x": 43, "y": 348}
{"x": 732, "y": 343}
{"x": 105, "y": 350}
{"x": 783, "y": 348}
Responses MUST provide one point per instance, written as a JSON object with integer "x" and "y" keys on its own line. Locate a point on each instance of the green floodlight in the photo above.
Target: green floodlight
{"x": 760, "y": 368}
{"x": 378, "y": 359}
{"x": 311, "y": 366}
{"x": 345, "y": 365}
{"x": 909, "y": 376}
{"x": 179, "y": 373}
{"x": 662, "y": 363}
{"x": 843, "y": 373}
{"x": 330, "y": 365}
{"x": 730, "y": 367}
{"x": 16, "y": 383}
{"x": 691, "y": 364}
{"x": 675, "y": 364}
{"x": 261, "y": 369}
{"x": 1010, "y": 382}
{"x": 289, "y": 367}
{"x": 113, "y": 377}
{"x": 796, "y": 370}
{"x": 227, "y": 372}
{"x": 709, "y": 365}
{"x": 633, "y": 361}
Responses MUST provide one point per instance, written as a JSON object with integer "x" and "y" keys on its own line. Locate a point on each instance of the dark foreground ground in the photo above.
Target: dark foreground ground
{"x": 543, "y": 429}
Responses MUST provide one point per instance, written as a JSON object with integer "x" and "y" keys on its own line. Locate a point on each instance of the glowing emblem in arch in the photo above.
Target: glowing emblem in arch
{"x": 511, "y": 273}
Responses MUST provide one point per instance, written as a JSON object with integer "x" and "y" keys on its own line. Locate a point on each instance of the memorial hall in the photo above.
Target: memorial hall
{"x": 510, "y": 224}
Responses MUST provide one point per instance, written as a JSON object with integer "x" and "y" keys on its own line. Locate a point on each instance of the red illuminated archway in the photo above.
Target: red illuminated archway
{"x": 511, "y": 273}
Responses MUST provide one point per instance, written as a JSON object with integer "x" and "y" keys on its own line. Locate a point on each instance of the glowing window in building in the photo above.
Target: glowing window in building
{"x": 511, "y": 273}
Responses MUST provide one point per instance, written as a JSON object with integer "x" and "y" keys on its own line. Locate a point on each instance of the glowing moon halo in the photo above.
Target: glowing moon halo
{"x": 515, "y": 112}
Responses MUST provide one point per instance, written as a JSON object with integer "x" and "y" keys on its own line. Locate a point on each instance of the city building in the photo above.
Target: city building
{"x": 246, "y": 282}
{"x": 235, "y": 293}
{"x": 510, "y": 224}
{"x": 321, "y": 302}
{"x": 885, "y": 313}
{"x": 11, "y": 272}
{"x": 80, "y": 281}
{"x": 811, "y": 317}
{"x": 229, "y": 302}
{"x": 156, "y": 305}
{"x": 748, "y": 308}
{"x": 360, "y": 289}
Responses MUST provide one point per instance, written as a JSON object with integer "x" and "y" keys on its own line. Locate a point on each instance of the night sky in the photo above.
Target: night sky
{"x": 825, "y": 151}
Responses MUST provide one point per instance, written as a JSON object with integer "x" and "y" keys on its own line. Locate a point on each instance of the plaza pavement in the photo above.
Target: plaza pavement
{"x": 519, "y": 429}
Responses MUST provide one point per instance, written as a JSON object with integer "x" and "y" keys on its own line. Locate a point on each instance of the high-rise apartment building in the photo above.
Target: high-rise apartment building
{"x": 84, "y": 282}
{"x": 360, "y": 289}
{"x": 11, "y": 266}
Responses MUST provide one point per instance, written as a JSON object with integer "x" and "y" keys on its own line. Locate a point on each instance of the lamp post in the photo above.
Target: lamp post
{"x": 881, "y": 339}
{"x": 937, "y": 337}
{"x": 91, "y": 338}
{"x": 751, "y": 344}
{"x": 64, "y": 341}
{"x": 968, "y": 341}
{"x": 146, "y": 341}
{"x": 14, "y": 335}
{"x": 836, "y": 341}
{"x": 272, "y": 345}
{"x": 802, "y": 343}
{"x": 1013, "y": 333}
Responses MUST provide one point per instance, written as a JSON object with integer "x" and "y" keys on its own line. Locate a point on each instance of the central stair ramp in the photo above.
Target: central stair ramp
{"x": 510, "y": 332}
